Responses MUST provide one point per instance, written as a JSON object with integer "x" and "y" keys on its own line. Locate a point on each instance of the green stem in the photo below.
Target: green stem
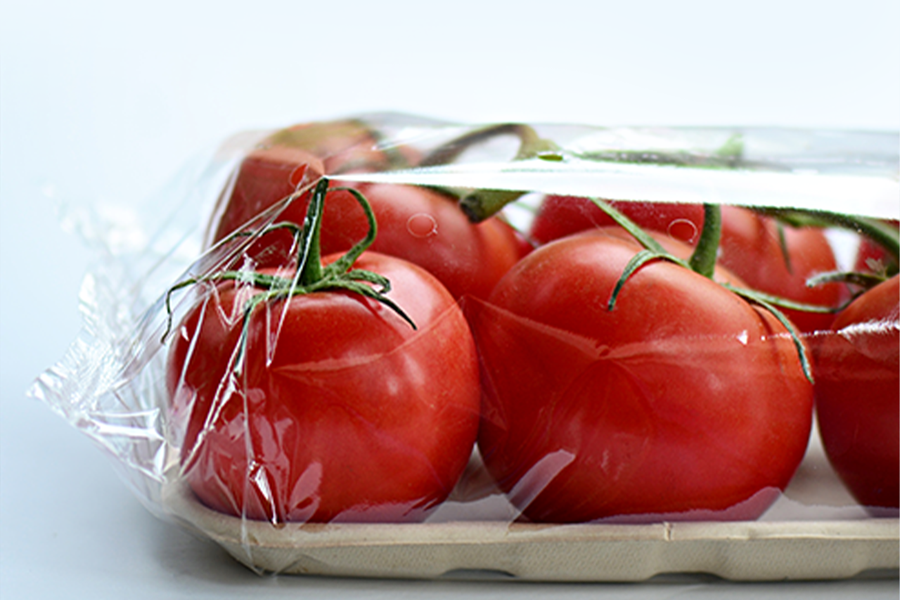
{"x": 861, "y": 280}
{"x": 309, "y": 257}
{"x": 531, "y": 144}
{"x": 479, "y": 205}
{"x": 346, "y": 261}
{"x": 703, "y": 260}
{"x": 879, "y": 232}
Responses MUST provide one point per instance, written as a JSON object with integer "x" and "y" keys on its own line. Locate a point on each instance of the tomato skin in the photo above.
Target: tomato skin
{"x": 417, "y": 224}
{"x": 750, "y": 247}
{"x": 684, "y": 402}
{"x": 858, "y": 395}
{"x": 560, "y": 216}
{"x": 342, "y": 412}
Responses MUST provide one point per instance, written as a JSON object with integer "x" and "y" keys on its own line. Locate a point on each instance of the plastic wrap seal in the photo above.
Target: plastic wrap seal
{"x": 386, "y": 346}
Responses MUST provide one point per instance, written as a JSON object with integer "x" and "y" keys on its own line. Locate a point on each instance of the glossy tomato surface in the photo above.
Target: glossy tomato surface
{"x": 335, "y": 410}
{"x": 858, "y": 395}
{"x": 683, "y": 402}
{"x": 750, "y": 246}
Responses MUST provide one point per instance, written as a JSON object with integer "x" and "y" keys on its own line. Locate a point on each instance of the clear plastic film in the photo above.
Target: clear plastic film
{"x": 498, "y": 376}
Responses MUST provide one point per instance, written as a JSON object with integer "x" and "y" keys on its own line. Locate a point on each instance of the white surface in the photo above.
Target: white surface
{"x": 100, "y": 102}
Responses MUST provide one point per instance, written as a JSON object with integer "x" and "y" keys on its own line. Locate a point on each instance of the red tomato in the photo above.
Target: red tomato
{"x": 560, "y": 216}
{"x": 683, "y": 402}
{"x": 417, "y": 224}
{"x": 265, "y": 176}
{"x": 285, "y": 160}
{"x": 750, "y": 247}
{"x": 340, "y": 411}
{"x": 858, "y": 395}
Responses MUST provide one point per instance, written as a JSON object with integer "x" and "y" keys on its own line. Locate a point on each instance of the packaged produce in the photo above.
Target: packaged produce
{"x": 395, "y": 347}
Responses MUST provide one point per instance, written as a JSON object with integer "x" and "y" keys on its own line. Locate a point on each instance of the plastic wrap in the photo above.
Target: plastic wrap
{"x": 518, "y": 395}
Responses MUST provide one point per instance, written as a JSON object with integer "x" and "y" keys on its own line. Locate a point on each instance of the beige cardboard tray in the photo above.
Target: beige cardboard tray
{"x": 814, "y": 532}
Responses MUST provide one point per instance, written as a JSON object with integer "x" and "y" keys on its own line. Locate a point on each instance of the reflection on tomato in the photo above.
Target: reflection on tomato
{"x": 858, "y": 395}
{"x": 683, "y": 402}
{"x": 335, "y": 409}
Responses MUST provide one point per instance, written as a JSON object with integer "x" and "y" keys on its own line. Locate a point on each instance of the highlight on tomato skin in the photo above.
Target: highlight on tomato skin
{"x": 683, "y": 402}
{"x": 340, "y": 411}
{"x": 750, "y": 246}
{"x": 858, "y": 397}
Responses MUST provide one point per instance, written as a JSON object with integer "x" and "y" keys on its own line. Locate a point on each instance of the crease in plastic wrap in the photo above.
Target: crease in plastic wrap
{"x": 504, "y": 402}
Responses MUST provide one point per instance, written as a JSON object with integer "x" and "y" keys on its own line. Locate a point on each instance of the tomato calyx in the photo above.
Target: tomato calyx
{"x": 310, "y": 275}
{"x": 703, "y": 262}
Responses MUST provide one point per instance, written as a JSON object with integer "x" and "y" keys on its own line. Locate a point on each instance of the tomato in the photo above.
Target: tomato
{"x": 285, "y": 160}
{"x": 750, "y": 247}
{"x": 682, "y": 402}
{"x": 335, "y": 409}
{"x": 265, "y": 176}
{"x": 420, "y": 225}
{"x": 858, "y": 395}
{"x": 560, "y": 216}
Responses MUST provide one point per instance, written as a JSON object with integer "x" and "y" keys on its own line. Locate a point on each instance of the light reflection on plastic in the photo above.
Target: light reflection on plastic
{"x": 683, "y": 230}
{"x": 422, "y": 225}
{"x": 539, "y": 476}
{"x": 882, "y": 327}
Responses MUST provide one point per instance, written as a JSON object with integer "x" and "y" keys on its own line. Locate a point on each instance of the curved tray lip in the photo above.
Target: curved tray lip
{"x": 745, "y": 550}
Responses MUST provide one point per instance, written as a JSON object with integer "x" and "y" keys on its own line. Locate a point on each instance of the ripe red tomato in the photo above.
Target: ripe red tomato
{"x": 858, "y": 395}
{"x": 420, "y": 225}
{"x": 340, "y": 411}
{"x": 750, "y": 247}
{"x": 560, "y": 216}
{"x": 683, "y": 402}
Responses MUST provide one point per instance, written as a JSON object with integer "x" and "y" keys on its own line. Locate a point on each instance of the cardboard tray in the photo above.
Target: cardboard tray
{"x": 814, "y": 532}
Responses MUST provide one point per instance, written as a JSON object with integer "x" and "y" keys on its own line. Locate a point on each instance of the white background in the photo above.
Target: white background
{"x": 102, "y": 101}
